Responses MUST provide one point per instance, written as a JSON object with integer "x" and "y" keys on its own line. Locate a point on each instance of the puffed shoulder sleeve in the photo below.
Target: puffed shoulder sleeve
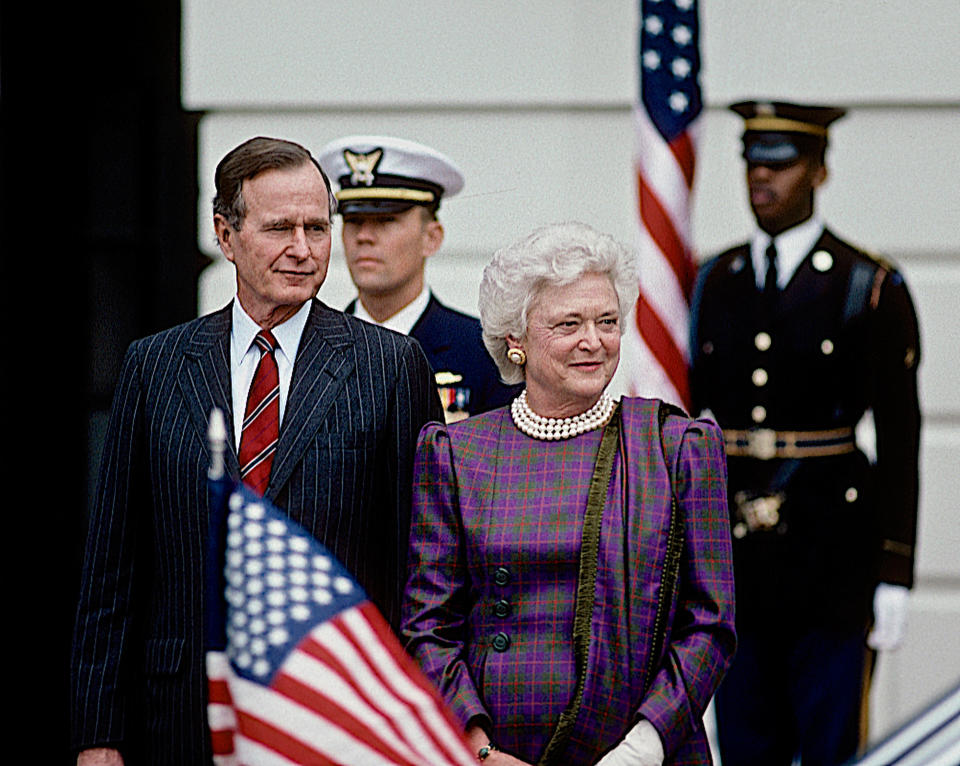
{"x": 436, "y": 600}
{"x": 701, "y": 639}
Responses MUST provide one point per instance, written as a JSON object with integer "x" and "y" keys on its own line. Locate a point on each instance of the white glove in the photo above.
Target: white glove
{"x": 640, "y": 747}
{"x": 889, "y": 617}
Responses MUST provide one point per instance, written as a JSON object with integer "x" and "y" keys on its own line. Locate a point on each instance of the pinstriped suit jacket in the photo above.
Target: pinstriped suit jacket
{"x": 358, "y": 397}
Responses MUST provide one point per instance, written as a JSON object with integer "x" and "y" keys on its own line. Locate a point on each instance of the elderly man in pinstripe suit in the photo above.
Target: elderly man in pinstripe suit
{"x": 352, "y": 399}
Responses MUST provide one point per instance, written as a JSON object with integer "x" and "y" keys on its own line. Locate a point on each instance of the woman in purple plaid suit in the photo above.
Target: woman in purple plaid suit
{"x": 562, "y": 625}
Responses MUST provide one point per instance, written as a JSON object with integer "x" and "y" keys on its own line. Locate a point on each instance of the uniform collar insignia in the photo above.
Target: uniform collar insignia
{"x": 822, "y": 260}
{"x": 362, "y": 166}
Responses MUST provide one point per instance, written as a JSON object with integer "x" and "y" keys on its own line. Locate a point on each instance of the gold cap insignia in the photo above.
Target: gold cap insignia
{"x": 362, "y": 166}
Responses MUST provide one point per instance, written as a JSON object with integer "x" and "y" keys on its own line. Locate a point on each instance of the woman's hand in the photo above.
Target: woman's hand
{"x": 477, "y": 738}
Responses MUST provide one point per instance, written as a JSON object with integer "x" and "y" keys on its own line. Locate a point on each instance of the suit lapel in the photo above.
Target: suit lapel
{"x": 205, "y": 379}
{"x": 324, "y": 361}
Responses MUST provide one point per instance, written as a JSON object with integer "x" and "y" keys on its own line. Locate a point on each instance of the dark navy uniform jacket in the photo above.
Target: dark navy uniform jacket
{"x": 841, "y": 338}
{"x": 467, "y": 379}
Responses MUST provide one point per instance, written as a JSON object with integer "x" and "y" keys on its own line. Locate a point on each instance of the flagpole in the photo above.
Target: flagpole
{"x": 217, "y": 439}
{"x": 218, "y": 492}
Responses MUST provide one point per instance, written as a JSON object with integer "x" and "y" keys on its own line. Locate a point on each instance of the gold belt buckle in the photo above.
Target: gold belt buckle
{"x": 762, "y": 443}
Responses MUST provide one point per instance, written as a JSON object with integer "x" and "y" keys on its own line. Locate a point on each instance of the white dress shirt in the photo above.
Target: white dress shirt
{"x": 404, "y": 320}
{"x": 793, "y": 245}
{"x": 244, "y": 357}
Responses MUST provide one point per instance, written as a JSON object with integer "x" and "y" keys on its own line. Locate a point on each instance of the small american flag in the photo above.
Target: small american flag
{"x": 655, "y": 345}
{"x": 307, "y": 671}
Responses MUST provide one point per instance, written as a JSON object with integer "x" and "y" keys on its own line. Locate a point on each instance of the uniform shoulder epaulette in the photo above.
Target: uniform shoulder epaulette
{"x": 709, "y": 263}
{"x": 884, "y": 268}
{"x": 731, "y": 252}
{"x": 879, "y": 260}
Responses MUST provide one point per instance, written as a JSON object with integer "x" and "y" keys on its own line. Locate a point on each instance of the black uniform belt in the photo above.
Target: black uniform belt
{"x": 766, "y": 444}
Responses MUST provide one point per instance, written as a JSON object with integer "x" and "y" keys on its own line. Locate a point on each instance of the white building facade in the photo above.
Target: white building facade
{"x": 533, "y": 100}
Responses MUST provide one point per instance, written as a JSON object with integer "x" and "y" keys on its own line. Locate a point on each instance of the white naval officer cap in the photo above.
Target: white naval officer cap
{"x": 383, "y": 174}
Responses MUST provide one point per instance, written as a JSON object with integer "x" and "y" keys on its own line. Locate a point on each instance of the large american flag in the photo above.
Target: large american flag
{"x": 655, "y": 346}
{"x": 305, "y": 670}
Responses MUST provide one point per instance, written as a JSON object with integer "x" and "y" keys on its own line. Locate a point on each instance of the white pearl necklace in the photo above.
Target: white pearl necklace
{"x": 553, "y": 429}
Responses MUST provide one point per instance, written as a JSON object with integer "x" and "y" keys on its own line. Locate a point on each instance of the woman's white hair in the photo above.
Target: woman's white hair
{"x": 554, "y": 255}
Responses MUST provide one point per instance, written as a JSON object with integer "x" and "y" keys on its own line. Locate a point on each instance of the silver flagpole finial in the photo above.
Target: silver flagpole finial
{"x": 217, "y": 437}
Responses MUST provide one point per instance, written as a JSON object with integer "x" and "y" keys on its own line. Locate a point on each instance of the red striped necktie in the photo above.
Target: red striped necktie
{"x": 261, "y": 420}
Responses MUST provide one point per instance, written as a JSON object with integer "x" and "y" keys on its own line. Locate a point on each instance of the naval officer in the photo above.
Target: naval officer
{"x": 795, "y": 335}
{"x": 390, "y": 191}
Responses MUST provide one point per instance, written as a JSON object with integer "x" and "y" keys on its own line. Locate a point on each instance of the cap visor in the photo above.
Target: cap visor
{"x": 779, "y": 153}
{"x": 373, "y": 207}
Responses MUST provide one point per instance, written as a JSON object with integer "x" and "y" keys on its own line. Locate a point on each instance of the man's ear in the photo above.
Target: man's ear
{"x": 225, "y": 234}
{"x": 433, "y": 237}
{"x": 819, "y": 176}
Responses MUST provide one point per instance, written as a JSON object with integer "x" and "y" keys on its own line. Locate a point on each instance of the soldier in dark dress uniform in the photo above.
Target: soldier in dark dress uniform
{"x": 390, "y": 190}
{"x": 794, "y": 336}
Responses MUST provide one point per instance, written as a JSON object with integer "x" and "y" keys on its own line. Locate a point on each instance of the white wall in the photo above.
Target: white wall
{"x": 533, "y": 100}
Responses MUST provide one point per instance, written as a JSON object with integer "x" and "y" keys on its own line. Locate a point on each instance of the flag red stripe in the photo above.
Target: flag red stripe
{"x": 270, "y": 736}
{"x": 219, "y": 692}
{"x": 411, "y": 671}
{"x": 662, "y": 345}
{"x": 658, "y": 223}
{"x": 379, "y": 626}
{"x": 222, "y": 742}
{"x": 333, "y": 661}
{"x": 331, "y": 711}
{"x": 311, "y": 647}
{"x": 683, "y": 151}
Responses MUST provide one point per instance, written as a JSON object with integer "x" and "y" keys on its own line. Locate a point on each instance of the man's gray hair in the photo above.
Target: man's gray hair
{"x": 554, "y": 255}
{"x": 251, "y": 158}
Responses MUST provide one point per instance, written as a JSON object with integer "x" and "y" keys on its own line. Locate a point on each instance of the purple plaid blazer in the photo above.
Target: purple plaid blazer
{"x": 494, "y": 557}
